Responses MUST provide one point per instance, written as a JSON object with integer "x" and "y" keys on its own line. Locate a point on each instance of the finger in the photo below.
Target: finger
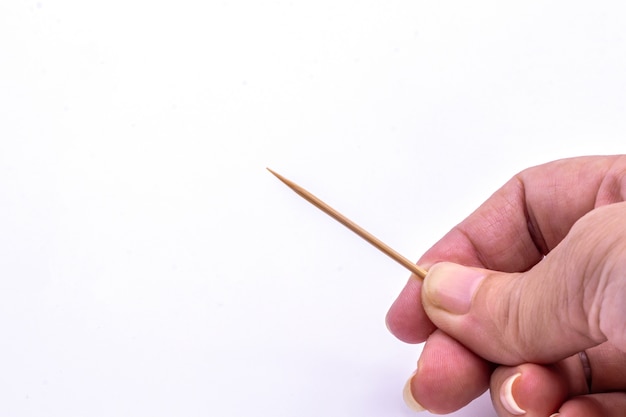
{"x": 530, "y": 390}
{"x": 447, "y": 378}
{"x": 406, "y": 318}
{"x": 608, "y": 368}
{"x": 516, "y": 227}
{"x": 596, "y": 405}
{"x": 571, "y": 301}
{"x": 532, "y": 213}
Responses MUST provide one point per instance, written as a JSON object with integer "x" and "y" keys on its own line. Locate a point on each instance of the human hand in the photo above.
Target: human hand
{"x": 557, "y": 233}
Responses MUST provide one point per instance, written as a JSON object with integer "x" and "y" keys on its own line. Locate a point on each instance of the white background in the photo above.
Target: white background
{"x": 150, "y": 266}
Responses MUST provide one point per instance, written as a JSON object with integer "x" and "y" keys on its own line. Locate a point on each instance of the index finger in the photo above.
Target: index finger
{"x": 532, "y": 213}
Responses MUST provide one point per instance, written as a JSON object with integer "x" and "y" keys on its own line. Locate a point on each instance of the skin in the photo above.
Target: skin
{"x": 551, "y": 246}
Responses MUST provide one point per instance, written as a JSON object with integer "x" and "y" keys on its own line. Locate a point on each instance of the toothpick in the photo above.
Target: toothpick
{"x": 377, "y": 243}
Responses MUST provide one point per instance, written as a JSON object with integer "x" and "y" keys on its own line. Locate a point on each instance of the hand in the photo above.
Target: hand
{"x": 557, "y": 234}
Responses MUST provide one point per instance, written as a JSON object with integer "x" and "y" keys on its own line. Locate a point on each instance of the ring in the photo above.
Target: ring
{"x": 584, "y": 360}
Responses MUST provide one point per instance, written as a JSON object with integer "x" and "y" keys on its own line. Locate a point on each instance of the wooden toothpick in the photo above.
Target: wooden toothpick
{"x": 377, "y": 243}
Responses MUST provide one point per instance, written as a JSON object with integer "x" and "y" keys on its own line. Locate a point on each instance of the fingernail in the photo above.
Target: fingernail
{"x": 408, "y": 396}
{"x": 555, "y": 415}
{"x": 506, "y": 396}
{"x": 451, "y": 287}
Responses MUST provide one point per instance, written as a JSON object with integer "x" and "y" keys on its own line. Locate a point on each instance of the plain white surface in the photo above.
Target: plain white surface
{"x": 149, "y": 264}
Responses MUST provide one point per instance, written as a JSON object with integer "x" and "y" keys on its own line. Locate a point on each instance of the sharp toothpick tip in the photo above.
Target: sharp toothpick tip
{"x": 420, "y": 272}
{"x": 280, "y": 177}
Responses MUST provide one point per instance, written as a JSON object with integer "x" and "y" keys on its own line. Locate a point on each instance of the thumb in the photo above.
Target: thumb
{"x": 570, "y": 301}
